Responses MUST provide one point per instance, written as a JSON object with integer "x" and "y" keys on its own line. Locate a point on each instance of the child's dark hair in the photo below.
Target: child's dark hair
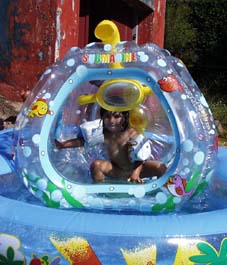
{"x": 11, "y": 119}
{"x": 1, "y": 124}
{"x": 125, "y": 114}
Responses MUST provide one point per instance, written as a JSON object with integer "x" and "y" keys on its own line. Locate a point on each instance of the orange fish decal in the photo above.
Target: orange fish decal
{"x": 39, "y": 108}
{"x": 169, "y": 83}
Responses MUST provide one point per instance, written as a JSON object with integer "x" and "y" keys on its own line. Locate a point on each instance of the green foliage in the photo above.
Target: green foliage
{"x": 219, "y": 111}
{"x": 210, "y": 18}
{"x": 180, "y": 35}
{"x": 196, "y": 33}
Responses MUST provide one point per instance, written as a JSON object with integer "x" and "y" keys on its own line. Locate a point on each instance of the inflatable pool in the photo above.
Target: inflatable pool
{"x": 165, "y": 106}
{"x": 53, "y": 212}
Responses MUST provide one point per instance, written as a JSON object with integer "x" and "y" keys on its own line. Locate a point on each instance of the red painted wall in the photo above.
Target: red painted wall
{"x": 30, "y": 37}
{"x": 159, "y": 22}
{"x": 34, "y": 34}
{"x": 67, "y": 29}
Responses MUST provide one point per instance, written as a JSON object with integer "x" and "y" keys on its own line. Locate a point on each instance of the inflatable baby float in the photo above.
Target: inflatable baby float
{"x": 164, "y": 103}
{"x": 179, "y": 218}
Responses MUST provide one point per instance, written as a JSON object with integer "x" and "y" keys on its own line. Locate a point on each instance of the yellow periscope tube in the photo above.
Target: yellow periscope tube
{"x": 108, "y": 33}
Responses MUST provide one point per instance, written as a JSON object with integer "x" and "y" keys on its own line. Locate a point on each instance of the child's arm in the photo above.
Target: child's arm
{"x": 135, "y": 176}
{"x": 79, "y": 142}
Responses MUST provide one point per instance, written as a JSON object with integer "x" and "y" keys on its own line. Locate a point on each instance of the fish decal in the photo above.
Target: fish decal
{"x": 176, "y": 186}
{"x": 169, "y": 83}
{"x": 39, "y": 108}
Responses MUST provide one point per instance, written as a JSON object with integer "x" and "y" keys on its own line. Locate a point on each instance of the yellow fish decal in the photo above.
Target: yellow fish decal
{"x": 39, "y": 108}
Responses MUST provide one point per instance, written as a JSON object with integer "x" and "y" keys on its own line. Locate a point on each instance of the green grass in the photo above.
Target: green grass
{"x": 219, "y": 110}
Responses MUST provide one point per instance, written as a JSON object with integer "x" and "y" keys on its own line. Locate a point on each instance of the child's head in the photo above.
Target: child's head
{"x": 9, "y": 122}
{"x": 106, "y": 114}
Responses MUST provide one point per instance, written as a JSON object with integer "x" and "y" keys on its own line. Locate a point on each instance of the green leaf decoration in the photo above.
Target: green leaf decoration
{"x": 9, "y": 259}
{"x": 3, "y": 260}
{"x": 168, "y": 206}
{"x": 199, "y": 188}
{"x": 207, "y": 249}
{"x": 223, "y": 249}
{"x": 10, "y": 253}
{"x": 46, "y": 259}
{"x": 68, "y": 197}
{"x": 31, "y": 178}
{"x": 51, "y": 187}
{"x": 210, "y": 255}
{"x": 193, "y": 181}
{"x": 203, "y": 259}
{"x": 34, "y": 188}
{"x": 49, "y": 202}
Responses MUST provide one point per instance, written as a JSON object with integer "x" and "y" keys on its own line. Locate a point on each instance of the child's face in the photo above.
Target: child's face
{"x": 113, "y": 121}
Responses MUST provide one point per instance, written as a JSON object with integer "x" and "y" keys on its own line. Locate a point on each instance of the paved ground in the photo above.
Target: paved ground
{"x": 8, "y": 108}
{"x": 223, "y": 141}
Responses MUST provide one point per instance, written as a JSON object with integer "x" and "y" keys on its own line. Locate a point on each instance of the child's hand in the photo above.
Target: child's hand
{"x": 127, "y": 136}
{"x": 135, "y": 179}
{"x": 135, "y": 176}
{"x": 132, "y": 133}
